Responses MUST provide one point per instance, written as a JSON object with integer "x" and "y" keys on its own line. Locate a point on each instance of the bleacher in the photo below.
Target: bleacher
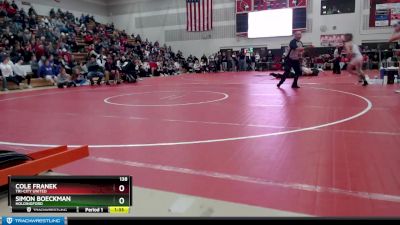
{"x": 80, "y": 55}
{"x": 35, "y": 82}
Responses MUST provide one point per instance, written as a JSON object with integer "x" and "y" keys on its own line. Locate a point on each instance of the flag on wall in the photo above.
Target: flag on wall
{"x": 199, "y": 15}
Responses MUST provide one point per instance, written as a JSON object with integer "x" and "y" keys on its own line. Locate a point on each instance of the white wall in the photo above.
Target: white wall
{"x": 76, "y": 7}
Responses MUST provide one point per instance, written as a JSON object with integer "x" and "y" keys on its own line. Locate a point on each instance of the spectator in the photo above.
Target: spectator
{"x": 242, "y": 61}
{"x": 34, "y": 66}
{"x": 203, "y": 65}
{"x": 46, "y": 72}
{"x": 111, "y": 69}
{"x": 64, "y": 79}
{"x": 224, "y": 62}
{"x": 197, "y": 67}
{"x": 21, "y": 73}
{"x": 336, "y": 61}
{"x": 94, "y": 70}
{"x": 77, "y": 76}
{"x": 177, "y": 66}
{"x": 253, "y": 61}
{"x": 129, "y": 69}
{"x": 171, "y": 68}
{"x": 6, "y": 68}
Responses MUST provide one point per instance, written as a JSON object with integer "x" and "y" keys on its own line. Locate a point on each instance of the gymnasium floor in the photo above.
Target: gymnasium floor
{"x": 331, "y": 148}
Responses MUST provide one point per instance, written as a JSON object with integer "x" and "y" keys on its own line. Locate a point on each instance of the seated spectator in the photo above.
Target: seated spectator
{"x": 146, "y": 70}
{"x": 6, "y": 68}
{"x": 138, "y": 69}
{"x": 159, "y": 70}
{"x": 190, "y": 66}
{"x": 57, "y": 67}
{"x": 20, "y": 72}
{"x": 165, "y": 69}
{"x": 128, "y": 67}
{"x": 153, "y": 68}
{"x": 78, "y": 76}
{"x": 171, "y": 68}
{"x": 94, "y": 70}
{"x": 197, "y": 67}
{"x": 64, "y": 79}
{"x": 11, "y": 11}
{"x": 46, "y": 71}
{"x": 89, "y": 39}
{"x": 177, "y": 67}
{"x": 111, "y": 69}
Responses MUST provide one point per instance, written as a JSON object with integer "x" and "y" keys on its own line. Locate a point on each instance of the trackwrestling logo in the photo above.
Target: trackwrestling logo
{"x": 33, "y": 220}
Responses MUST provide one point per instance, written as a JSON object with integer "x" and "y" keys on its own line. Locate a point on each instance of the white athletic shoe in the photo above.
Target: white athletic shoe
{"x": 6, "y": 90}
{"x": 29, "y": 86}
{"x": 21, "y": 86}
{"x": 398, "y": 91}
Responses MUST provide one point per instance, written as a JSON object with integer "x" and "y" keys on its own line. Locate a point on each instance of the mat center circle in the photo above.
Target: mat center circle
{"x": 166, "y": 98}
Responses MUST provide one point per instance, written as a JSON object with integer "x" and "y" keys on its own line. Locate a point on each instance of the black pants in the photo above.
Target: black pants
{"x": 336, "y": 66}
{"x": 67, "y": 83}
{"x": 13, "y": 79}
{"x": 295, "y": 64}
{"x": 28, "y": 78}
{"x": 130, "y": 77}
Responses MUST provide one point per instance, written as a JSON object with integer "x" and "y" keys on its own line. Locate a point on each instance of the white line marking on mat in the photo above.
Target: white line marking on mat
{"x": 360, "y": 114}
{"x": 260, "y": 181}
{"x": 224, "y": 97}
{"x": 169, "y": 96}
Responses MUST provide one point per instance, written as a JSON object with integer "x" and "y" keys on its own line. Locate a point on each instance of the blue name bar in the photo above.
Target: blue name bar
{"x": 33, "y": 220}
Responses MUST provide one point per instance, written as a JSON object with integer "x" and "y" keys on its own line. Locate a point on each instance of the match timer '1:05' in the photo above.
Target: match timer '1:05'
{"x": 74, "y": 194}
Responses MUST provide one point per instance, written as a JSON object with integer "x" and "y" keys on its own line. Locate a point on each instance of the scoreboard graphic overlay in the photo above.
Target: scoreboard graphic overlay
{"x": 243, "y": 7}
{"x": 65, "y": 194}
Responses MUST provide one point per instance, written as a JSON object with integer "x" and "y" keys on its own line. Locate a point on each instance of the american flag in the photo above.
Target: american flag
{"x": 199, "y": 15}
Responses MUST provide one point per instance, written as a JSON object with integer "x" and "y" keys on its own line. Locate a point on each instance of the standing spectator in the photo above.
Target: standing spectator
{"x": 224, "y": 62}
{"x": 336, "y": 60}
{"x": 203, "y": 64}
{"x": 253, "y": 61}
{"x": 235, "y": 62}
{"x": 242, "y": 61}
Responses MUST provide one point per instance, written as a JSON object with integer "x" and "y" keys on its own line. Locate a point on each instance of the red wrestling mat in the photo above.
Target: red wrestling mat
{"x": 328, "y": 149}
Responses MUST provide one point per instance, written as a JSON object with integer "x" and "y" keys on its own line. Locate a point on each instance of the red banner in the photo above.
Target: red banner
{"x": 332, "y": 40}
{"x": 297, "y": 3}
{"x": 243, "y": 6}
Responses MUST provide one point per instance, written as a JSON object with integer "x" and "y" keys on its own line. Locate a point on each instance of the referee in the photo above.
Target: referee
{"x": 292, "y": 60}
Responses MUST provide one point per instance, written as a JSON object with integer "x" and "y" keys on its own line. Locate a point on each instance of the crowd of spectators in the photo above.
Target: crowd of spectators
{"x": 48, "y": 45}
